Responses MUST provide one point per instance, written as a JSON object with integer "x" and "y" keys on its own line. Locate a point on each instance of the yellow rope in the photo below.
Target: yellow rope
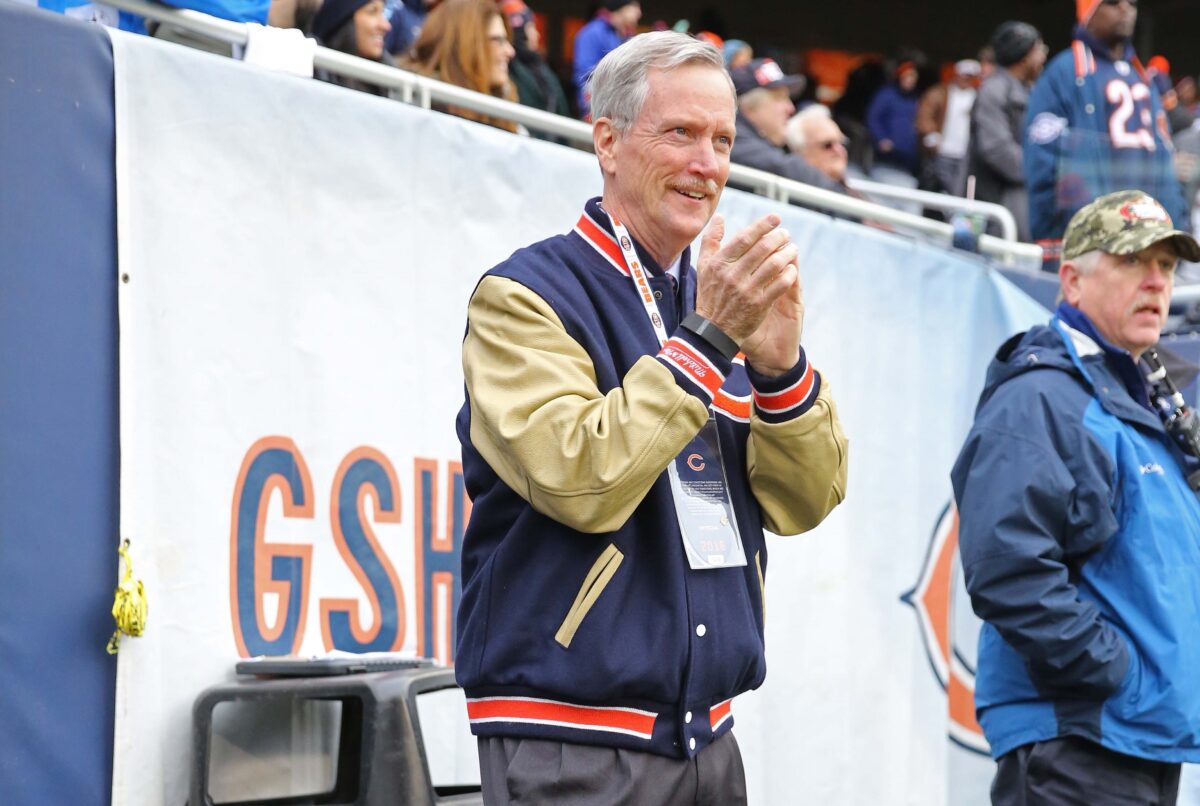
{"x": 129, "y": 604}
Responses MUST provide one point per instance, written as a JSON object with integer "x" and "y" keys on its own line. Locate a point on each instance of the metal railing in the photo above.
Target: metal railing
{"x": 424, "y": 91}
{"x": 1186, "y": 294}
{"x": 943, "y": 202}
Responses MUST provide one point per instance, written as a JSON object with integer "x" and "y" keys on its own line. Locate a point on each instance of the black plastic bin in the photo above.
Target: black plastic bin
{"x": 371, "y": 718}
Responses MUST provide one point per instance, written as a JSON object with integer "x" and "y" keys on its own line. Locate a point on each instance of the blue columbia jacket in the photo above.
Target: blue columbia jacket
{"x": 1095, "y": 126}
{"x": 1080, "y": 545}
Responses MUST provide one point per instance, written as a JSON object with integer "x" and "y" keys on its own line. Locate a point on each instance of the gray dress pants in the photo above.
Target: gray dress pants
{"x": 525, "y": 772}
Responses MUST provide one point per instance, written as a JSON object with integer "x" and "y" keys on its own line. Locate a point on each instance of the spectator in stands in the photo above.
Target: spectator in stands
{"x": 357, "y": 27}
{"x": 615, "y": 21}
{"x": 536, "y": 84}
{"x": 764, "y": 106}
{"x": 713, "y": 39}
{"x": 891, "y": 118}
{"x": 1095, "y": 125}
{"x": 944, "y": 124}
{"x": 850, "y": 112}
{"x": 737, "y": 54}
{"x": 987, "y": 61}
{"x": 997, "y": 121}
{"x": 813, "y": 135}
{"x": 467, "y": 43}
{"x": 1187, "y": 162}
{"x": 407, "y": 18}
{"x": 1189, "y": 98}
{"x": 1179, "y": 117}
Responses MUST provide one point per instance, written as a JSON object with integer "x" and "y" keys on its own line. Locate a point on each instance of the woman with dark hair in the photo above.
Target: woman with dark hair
{"x": 467, "y": 43}
{"x": 357, "y": 27}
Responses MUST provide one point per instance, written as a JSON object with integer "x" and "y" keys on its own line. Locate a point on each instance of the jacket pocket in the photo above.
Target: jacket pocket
{"x": 762, "y": 588}
{"x": 593, "y": 585}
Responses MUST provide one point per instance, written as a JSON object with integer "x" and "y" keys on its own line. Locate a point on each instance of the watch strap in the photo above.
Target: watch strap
{"x": 712, "y": 334}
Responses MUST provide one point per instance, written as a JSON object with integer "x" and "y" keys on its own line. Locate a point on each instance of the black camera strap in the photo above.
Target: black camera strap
{"x": 1179, "y": 419}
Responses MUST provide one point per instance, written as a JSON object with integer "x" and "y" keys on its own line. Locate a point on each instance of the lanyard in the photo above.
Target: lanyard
{"x": 707, "y": 519}
{"x": 638, "y": 273}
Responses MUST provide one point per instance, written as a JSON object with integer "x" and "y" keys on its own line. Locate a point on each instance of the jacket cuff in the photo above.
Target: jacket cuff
{"x": 786, "y": 397}
{"x": 699, "y": 368}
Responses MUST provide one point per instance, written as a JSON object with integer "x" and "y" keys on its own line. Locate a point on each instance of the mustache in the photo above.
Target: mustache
{"x": 1150, "y": 302}
{"x": 706, "y": 186}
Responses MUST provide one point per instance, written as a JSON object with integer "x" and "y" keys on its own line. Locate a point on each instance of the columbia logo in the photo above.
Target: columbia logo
{"x": 1153, "y": 467}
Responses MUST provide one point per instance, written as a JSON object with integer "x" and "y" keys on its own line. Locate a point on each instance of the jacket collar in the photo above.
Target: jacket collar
{"x": 1115, "y": 379}
{"x": 595, "y": 227}
{"x": 1094, "y": 49}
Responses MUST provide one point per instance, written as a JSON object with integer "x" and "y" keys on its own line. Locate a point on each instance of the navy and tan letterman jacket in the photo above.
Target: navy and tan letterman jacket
{"x": 580, "y": 619}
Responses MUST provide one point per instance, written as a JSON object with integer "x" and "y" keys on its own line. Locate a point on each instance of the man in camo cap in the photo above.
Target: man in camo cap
{"x": 1122, "y": 223}
{"x": 1080, "y": 536}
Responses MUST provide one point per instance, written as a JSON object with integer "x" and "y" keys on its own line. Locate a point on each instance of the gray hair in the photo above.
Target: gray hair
{"x": 1088, "y": 261}
{"x": 795, "y": 133}
{"x": 751, "y": 99}
{"x": 618, "y": 84}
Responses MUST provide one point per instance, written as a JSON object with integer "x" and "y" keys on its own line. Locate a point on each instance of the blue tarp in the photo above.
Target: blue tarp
{"x": 59, "y": 456}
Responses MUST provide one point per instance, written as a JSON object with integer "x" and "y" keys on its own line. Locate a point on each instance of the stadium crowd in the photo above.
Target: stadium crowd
{"x": 1004, "y": 124}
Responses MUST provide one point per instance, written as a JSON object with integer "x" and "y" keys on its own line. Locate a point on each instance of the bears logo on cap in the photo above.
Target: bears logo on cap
{"x": 767, "y": 72}
{"x": 1145, "y": 209}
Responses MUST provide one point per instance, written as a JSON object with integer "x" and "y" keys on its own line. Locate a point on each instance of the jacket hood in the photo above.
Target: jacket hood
{"x": 1039, "y": 348}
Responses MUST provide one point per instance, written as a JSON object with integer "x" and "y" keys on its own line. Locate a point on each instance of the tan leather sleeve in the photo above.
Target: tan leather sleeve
{"x": 798, "y": 467}
{"x": 538, "y": 418}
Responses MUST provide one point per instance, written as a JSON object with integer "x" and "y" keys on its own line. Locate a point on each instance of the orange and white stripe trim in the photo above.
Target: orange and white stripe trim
{"x": 735, "y": 407}
{"x": 787, "y": 399}
{"x": 1085, "y": 62}
{"x": 1141, "y": 71}
{"x": 680, "y": 355}
{"x": 602, "y": 242}
{"x": 720, "y": 713}
{"x": 534, "y": 711}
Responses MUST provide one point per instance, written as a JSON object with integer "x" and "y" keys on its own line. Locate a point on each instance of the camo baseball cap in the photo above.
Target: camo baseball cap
{"x": 1122, "y": 223}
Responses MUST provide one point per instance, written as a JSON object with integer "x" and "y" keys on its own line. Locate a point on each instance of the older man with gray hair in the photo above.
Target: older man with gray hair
{"x": 1079, "y": 530}
{"x": 813, "y": 134}
{"x": 631, "y": 425}
{"x": 764, "y": 106}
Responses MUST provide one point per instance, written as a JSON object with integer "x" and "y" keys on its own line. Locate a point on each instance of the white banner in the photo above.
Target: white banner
{"x": 295, "y": 263}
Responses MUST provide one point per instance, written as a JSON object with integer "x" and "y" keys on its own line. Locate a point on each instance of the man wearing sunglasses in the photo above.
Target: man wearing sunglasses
{"x": 1095, "y": 124}
{"x": 812, "y": 134}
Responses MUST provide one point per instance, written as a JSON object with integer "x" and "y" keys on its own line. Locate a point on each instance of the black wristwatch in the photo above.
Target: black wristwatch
{"x": 711, "y": 333}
